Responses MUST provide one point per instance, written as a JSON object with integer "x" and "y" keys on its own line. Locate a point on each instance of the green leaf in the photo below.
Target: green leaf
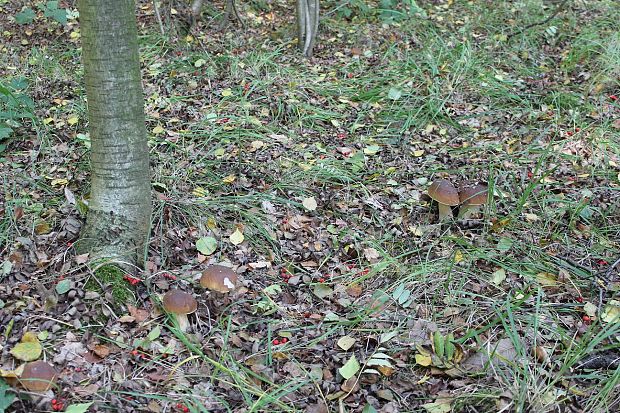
{"x": 504, "y": 244}
{"x": 51, "y": 10}
{"x": 63, "y": 286}
{"x": 5, "y": 132}
{"x": 350, "y": 368}
{"x": 206, "y": 245}
{"x": 27, "y": 351}
{"x": 26, "y": 16}
{"x": 387, "y": 336}
{"x": 78, "y": 408}
{"x": 394, "y": 94}
{"x": 6, "y": 399}
{"x": 322, "y": 290}
{"x": 369, "y": 409}
{"x": 154, "y": 334}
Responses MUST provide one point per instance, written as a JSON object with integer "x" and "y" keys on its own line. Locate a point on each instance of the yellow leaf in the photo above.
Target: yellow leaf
{"x": 458, "y": 256}
{"x": 229, "y": 179}
{"x": 59, "y": 182}
{"x": 199, "y": 192}
{"x": 226, "y": 92}
{"x": 73, "y": 120}
{"x": 158, "y": 129}
{"x": 29, "y": 349}
{"x": 236, "y": 237}
{"x": 546, "y": 279}
{"x": 211, "y": 223}
{"x": 75, "y": 34}
{"x": 423, "y": 359}
{"x": 418, "y": 153}
{"x": 611, "y": 313}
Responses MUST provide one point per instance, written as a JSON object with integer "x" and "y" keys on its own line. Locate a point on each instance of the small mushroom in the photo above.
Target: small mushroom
{"x": 219, "y": 278}
{"x": 180, "y": 304}
{"x": 38, "y": 376}
{"x": 446, "y": 196}
{"x": 472, "y": 197}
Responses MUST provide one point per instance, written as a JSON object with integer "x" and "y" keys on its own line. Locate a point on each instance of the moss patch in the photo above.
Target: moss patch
{"x": 112, "y": 277}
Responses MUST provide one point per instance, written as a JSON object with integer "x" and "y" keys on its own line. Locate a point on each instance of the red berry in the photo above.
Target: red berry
{"x": 321, "y": 280}
{"x": 54, "y": 401}
{"x": 613, "y": 97}
{"x": 185, "y": 409}
{"x": 569, "y": 133}
{"x": 350, "y": 75}
{"x": 284, "y": 340}
{"x": 586, "y": 318}
{"x": 276, "y": 342}
{"x": 579, "y": 299}
{"x": 577, "y": 129}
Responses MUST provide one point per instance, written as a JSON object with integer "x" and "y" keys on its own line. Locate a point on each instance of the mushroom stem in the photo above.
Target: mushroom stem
{"x": 183, "y": 322}
{"x": 467, "y": 211}
{"x": 445, "y": 212}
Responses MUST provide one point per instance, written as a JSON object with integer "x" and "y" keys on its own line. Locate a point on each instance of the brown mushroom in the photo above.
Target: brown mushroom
{"x": 38, "y": 376}
{"x": 219, "y": 278}
{"x": 472, "y": 197}
{"x": 446, "y": 196}
{"x": 180, "y": 304}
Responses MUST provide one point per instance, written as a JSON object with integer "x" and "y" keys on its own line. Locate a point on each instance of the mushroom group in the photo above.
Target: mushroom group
{"x": 469, "y": 197}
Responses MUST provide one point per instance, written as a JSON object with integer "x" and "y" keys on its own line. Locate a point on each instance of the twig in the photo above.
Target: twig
{"x": 159, "y": 21}
{"x": 539, "y": 23}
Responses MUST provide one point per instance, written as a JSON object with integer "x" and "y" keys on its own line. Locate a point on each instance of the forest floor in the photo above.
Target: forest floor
{"x": 309, "y": 177}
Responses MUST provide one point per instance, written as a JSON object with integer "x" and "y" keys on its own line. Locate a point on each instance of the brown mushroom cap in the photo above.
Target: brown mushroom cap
{"x": 179, "y": 302}
{"x": 444, "y": 192}
{"x": 219, "y": 278}
{"x": 474, "y": 195}
{"x": 38, "y": 376}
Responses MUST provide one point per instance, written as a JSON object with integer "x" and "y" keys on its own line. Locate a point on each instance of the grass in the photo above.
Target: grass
{"x": 528, "y": 114}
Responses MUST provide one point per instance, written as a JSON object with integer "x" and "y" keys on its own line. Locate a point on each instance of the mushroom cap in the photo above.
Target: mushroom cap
{"x": 179, "y": 302}
{"x": 38, "y": 376}
{"x": 474, "y": 195}
{"x": 219, "y": 278}
{"x": 444, "y": 192}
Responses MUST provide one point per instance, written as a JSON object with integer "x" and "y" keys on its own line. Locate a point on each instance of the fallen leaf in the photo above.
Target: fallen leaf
{"x": 345, "y": 342}
{"x": 350, "y": 368}
{"x": 498, "y": 276}
{"x": 29, "y": 349}
{"x": 590, "y": 309}
{"x": 236, "y": 237}
{"x": 206, "y": 245}
{"x": 102, "y": 350}
{"x": 309, "y": 203}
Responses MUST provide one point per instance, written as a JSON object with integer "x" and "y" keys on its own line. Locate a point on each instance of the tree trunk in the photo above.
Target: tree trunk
{"x": 119, "y": 211}
{"x": 307, "y": 24}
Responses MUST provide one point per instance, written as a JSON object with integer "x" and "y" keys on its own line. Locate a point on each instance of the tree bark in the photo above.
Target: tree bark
{"x": 307, "y": 25}
{"x": 119, "y": 211}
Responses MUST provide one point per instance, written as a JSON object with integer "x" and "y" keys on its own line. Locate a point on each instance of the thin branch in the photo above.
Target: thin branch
{"x": 540, "y": 23}
{"x": 159, "y": 21}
